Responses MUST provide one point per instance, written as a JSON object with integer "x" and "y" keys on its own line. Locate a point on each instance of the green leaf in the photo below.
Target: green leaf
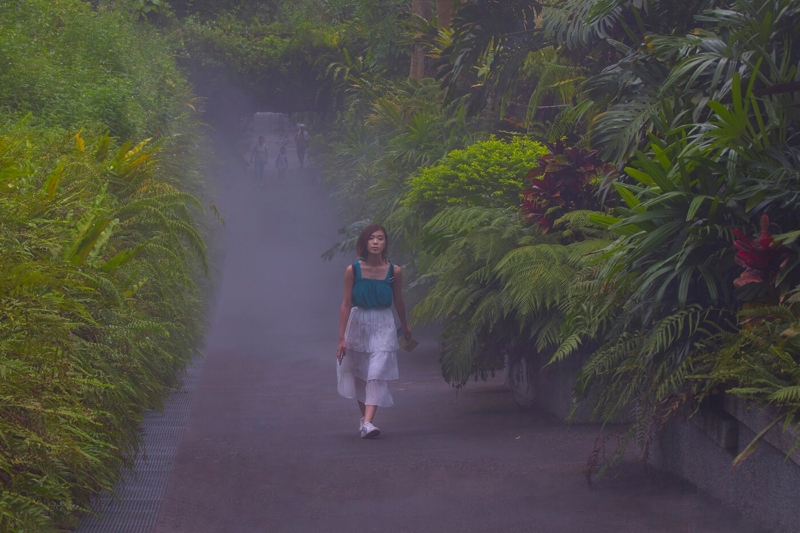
{"x": 695, "y": 205}
{"x": 648, "y": 216}
{"x": 665, "y": 197}
{"x": 626, "y": 195}
{"x": 85, "y": 241}
{"x": 787, "y": 238}
{"x": 755, "y": 200}
{"x": 51, "y": 184}
{"x": 641, "y": 177}
{"x": 658, "y": 238}
{"x": 656, "y": 172}
{"x": 604, "y": 221}
{"x": 683, "y": 287}
{"x": 120, "y": 259}
{"x": 753, "y": 446}
{"x": 102, "y": 147}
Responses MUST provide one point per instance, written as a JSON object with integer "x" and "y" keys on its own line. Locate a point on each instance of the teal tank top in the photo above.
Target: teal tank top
{"x": 372, "y": 293}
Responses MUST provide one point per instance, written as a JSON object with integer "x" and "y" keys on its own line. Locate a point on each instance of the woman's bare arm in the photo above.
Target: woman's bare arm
{"x": 344, "y": 314}
{"x": 399, "y": 303}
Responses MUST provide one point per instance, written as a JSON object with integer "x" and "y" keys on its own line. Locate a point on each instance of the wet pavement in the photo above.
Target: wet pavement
{"x": 270, "y": 447}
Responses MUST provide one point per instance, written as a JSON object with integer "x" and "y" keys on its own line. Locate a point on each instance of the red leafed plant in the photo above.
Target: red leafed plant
{"x": 760, "y": 257}
{"x": 563, "y": 180}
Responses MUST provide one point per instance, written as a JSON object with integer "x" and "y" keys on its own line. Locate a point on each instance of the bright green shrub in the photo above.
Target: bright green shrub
{"x": 489, "y": 174}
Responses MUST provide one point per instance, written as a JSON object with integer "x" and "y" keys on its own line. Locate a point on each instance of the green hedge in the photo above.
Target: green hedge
{"x": 488, "y": 173}
{"x": 281, "y": 66}
{"x": 99, "y": 303}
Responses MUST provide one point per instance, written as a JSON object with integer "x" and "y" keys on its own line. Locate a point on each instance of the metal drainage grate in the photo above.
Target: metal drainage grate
{"x": 139, "y": 492}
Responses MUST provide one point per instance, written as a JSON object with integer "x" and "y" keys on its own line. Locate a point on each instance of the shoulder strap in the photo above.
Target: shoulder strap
{"x": 390, "y": 274}
{"x": 356, "y": 271}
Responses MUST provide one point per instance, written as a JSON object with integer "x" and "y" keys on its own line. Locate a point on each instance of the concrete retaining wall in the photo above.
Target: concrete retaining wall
{"x": 550, "y": 389}
{"x": 765, "y": 488}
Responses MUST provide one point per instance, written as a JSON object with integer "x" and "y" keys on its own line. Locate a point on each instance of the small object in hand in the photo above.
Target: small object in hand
{"x": 407, "y": 345}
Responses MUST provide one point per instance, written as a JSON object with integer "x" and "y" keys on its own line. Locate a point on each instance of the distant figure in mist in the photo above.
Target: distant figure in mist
{"x": 367, "y": 351}
{"x": 259, "y": 158}
{"x": 282, "y": 162}
{"x": 301, "y": 143}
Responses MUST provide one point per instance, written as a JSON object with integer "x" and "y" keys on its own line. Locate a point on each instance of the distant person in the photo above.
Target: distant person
{"x": 282, "y": 162}
{"x": 367, "y": 334}
{"x": 301, "y": 143}
{"x": 259, "y": 159}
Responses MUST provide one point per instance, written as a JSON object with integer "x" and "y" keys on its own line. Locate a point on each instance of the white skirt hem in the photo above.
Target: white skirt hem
{"x": 371, "y": 358}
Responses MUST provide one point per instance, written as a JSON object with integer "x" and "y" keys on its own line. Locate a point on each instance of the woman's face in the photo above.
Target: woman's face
{"x": 376, "y": 243}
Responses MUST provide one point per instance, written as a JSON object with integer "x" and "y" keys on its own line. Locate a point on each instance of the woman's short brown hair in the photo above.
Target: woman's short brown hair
{"x": 363, "y": 240}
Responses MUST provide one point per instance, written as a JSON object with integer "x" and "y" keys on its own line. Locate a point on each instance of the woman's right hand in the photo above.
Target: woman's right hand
{"x": 341, "y": 351}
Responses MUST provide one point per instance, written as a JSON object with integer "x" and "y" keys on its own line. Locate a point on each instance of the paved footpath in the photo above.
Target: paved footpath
{"x": 270, "y": 447}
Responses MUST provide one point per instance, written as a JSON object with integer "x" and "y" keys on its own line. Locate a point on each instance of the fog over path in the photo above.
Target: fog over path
{"x": 270, "y": 447}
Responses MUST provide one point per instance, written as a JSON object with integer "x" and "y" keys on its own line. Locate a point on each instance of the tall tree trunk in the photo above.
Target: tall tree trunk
{"x": 421, "y": 8}
{"x": 444, "y": 10}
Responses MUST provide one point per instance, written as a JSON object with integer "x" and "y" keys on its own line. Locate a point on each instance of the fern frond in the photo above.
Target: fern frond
{"x": 786, "y": 395}
{"x": 667, "y": 331}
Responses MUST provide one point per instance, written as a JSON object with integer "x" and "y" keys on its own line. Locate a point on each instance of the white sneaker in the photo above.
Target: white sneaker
{"x": 361, "y": 424}
{"x": 368, "y": 431}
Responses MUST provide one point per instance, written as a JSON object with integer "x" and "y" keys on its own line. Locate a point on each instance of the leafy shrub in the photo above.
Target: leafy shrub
{"x": 714, "y": 165}
{"x": 564, "y": 180}
{"x": 76, "y": 67}
{"x": 500, "y": 285}
{"x": 99, "y": 301}
{"x": 759, "y": 363}
{"x": 98, "y": 312}
{"x": 391, "y": 131}
{"x": 489, "y": 173}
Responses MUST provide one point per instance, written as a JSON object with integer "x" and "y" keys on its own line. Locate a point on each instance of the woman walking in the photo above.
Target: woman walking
{"x": 367, "y": 351}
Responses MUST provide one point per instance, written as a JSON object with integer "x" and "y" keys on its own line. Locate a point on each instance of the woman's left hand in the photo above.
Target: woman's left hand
{"x": 406, "y": 332}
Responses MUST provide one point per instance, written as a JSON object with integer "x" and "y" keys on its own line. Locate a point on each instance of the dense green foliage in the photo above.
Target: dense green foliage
{"x": 390, "y": 131}
{"x": 99, "y": 302}
{"x": 75, "y": 68}
{"x": 657, "y": 239}
{"x": 758, "y": 363}
{"x": 488, "y": 173}
{"x": 501, "y": 284}
{"x": 698, "y": 107}
{"x": 693, "y": 107}
{"x": 279, "y": 52}
{"x": 273, "y": 62}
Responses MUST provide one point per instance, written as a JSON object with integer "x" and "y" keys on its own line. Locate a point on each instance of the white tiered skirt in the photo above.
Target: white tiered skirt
{"x": 371, "y": 359}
